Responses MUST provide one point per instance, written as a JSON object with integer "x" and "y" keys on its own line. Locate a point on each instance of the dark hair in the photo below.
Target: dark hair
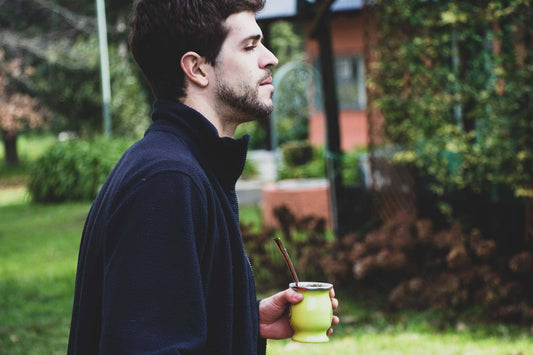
{"x": 163, "y": 30}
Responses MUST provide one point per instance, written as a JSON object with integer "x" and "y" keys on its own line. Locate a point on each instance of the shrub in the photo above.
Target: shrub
{"x": 453, "y": 83}
{"x": 255, "y": 131}
{"x": 250, "y": 169}
{"x": 74, "y": 170}
{"x": 297, "y": 153}
{"x": 304, "y": 240}
{"x": 351, "y": 172}
{"x": 406, "y": 258}
{"x": 315, "y": 166}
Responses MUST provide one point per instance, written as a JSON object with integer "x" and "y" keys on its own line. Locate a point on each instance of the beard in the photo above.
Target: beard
{"x": 244, "y": 101}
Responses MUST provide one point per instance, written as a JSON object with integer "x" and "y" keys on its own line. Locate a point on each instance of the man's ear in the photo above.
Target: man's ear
{"x": 193, "y": 65}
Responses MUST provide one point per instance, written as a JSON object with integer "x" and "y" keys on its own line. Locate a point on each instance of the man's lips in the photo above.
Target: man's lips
{"x": 266, "y": 81}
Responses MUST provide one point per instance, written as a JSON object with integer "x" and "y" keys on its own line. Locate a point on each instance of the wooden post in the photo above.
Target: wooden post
{"x": 322, "y": 32}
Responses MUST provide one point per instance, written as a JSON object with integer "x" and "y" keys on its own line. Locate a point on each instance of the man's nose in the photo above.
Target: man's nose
{"x": 269, "y": 60}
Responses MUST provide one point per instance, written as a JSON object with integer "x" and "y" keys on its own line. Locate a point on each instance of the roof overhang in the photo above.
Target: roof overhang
{"x": 287, "y": 9}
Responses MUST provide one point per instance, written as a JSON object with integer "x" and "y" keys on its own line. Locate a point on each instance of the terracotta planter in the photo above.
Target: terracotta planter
{"x": 303, "y": 197}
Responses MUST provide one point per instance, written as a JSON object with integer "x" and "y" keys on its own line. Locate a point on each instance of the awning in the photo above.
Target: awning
{"x": 280, "y": 9}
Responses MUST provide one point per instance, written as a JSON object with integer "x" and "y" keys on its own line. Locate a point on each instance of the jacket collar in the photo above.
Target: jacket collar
{"x": 226, "y": 156}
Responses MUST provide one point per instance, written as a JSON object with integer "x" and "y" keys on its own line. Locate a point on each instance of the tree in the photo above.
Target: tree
{"x": 58, "y": 40}
{"x": 16, "y": 109}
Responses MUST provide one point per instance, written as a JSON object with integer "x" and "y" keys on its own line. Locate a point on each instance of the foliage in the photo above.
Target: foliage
{"x": 129, "y": 102}
{"x": 287, "y": 41}
{"x": 454, "y": 83}
{"x": 80, "y": 83}
{"x": 301, "y": 241}
{"x": 17, "y": 110}
{"x": 296, "y": 153}
{"x": 250, "y": 169}
{"x": 351, "y": 172}
{"x": 57, "y": 40}
{"x": 74, "y": 170}
{"x": 255, "y": 131}
{"x": 415, "y": 265}
{"x": 316, "y": 167}
{"x": 291, "y": 104}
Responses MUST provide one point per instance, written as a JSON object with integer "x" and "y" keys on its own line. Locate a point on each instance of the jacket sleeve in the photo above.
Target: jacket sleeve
{"x": 261, "y": 342}
{"x": 153, "y": 298}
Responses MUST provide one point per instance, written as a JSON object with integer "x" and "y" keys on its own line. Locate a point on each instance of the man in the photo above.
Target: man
{"x": 162, "y": 269}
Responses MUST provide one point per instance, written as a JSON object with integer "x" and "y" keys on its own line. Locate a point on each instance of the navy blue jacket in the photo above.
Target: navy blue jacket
{"x": 162, "y": 269}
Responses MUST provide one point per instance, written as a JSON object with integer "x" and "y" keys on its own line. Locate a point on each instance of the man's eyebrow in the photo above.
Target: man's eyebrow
{"x": 253, "y": 38}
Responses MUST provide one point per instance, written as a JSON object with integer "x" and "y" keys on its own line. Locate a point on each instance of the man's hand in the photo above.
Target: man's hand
{"x": 274, "y": 314}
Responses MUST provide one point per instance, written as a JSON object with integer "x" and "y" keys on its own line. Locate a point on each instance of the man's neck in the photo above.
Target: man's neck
{"x": 225, "y": 128}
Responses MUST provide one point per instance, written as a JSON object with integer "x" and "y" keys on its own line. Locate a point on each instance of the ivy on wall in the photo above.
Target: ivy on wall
{"x": 454, "y": 81}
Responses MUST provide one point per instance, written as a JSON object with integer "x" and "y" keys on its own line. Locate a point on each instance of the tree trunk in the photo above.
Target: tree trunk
{"x": 10, "y": 148}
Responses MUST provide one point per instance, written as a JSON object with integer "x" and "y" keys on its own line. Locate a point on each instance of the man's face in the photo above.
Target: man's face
{"x": 243, "y": 84}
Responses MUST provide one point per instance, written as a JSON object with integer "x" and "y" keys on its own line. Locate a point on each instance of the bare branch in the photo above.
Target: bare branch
{"x": 46, "y": 47}
{"x": 79, "y": 22}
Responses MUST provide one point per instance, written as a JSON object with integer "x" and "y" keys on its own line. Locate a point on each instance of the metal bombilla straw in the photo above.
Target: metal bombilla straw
{"x": 288, "y": 261}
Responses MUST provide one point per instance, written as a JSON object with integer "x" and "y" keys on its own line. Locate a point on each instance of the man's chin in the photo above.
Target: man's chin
{"x": 260, "y": 113}
{"x": 268, "y": 105}
{"x": 267, "y": 111}
{"x": 261, "y": 116}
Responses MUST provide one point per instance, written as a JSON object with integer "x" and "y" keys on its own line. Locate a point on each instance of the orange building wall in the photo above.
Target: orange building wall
{"x": 348, "y": 33}
{"x": 353, "y": 129}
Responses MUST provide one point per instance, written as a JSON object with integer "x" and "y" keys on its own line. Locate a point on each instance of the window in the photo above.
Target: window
{"x": 350, "y": 81}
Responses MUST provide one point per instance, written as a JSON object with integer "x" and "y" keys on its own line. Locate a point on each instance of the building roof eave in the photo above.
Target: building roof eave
{"x": 297, "y": 9}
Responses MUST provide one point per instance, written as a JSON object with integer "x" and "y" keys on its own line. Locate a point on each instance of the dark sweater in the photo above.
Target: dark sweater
{"x": 162, "y": 268}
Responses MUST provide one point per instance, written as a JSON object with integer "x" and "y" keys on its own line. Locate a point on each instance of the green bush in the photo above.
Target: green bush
{"x": 351, "y": 173}
{"x": 74, "y": 170}
{"x": 250, "y": 169}
{"x": 316, "y": 166}
{"x": 256, "y": 132}
{"x": 297, "y": 153}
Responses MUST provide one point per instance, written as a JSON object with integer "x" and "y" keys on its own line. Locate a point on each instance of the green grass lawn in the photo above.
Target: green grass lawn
{"x": 366, "y": 329}
{"x": 38, "y": 256}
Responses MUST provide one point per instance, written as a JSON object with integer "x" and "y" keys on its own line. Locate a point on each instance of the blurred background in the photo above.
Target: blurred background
{"x": 397, "y": 164}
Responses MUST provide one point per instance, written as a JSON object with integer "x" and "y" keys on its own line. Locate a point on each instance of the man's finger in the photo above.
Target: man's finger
{"x": 334, "y": 303}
